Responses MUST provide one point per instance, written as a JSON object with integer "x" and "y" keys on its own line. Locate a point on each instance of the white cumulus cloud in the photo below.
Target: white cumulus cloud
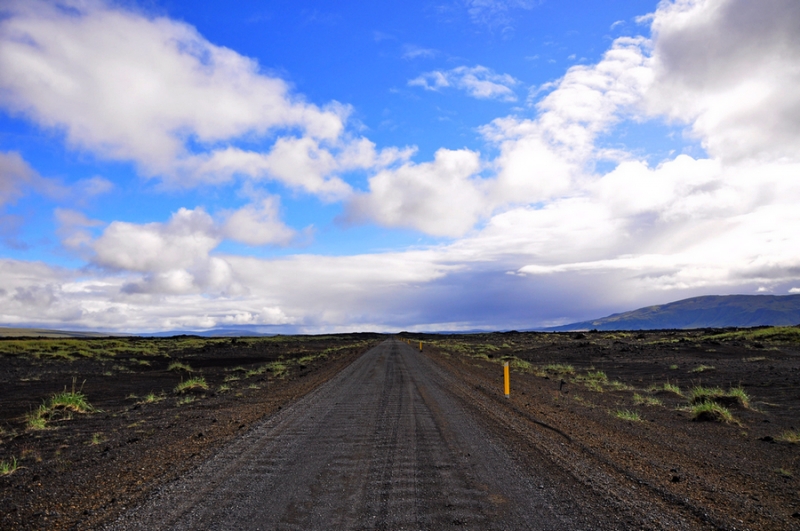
{"x": 729, "y": 69}
{"x": 477, "y": 81}
{"x": 443, "y": 197}
{"x": 144, "y": 89}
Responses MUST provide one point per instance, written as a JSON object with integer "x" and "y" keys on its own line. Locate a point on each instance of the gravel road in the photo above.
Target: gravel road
{"x": 385, "y": 444}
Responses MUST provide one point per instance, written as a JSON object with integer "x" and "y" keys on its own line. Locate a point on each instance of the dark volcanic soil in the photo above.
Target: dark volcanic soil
{"x": 78, "y": 473}
{"x": 737, "y": 475}
{"x": 661, "y": 471}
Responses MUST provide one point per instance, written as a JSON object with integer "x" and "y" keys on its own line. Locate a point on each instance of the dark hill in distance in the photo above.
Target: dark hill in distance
{"x": 713, "y": 311}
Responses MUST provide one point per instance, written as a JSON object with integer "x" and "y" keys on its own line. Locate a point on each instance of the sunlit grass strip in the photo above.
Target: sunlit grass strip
{"x": 703, "y": 368}
{"x": 775, "y": 333}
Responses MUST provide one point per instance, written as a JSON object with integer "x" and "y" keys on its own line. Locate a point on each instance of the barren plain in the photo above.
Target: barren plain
{"x": 644, "y": 430}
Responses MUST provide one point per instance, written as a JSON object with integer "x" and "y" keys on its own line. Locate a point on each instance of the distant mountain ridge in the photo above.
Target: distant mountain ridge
{"x": 712, "y": 311}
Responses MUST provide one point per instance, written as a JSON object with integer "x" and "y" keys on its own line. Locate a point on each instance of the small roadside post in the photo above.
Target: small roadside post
{"x": 506, "y": 379}
{"x": 420, "y": 346}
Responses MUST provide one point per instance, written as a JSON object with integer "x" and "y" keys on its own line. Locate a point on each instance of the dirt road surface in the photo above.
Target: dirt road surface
{"x": 386, "y": 444}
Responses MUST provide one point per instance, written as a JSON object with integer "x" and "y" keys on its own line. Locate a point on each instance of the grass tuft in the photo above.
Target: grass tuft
{"x": 8, "y": 467}
{"x": 186, "y": 400}
{"x": 192, "y": 385}
{"x": 150, "y": 398}
{"x": 178, "y": 366}
{"x": 626, "y": 414}
{"x": 735, "y": 396}
{"x": 559, "y": 368}
{"x": 60, "y": 406}
{"x": 278, "y": 369}
{"x": 639, "y": 400}
{"x": 703, "y": 368}
{"x": 711, "y": 411}
{"x": 792, "y": 437}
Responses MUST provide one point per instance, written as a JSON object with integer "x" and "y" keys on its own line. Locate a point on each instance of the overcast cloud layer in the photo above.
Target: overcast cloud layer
{"x": 552, "y": 220}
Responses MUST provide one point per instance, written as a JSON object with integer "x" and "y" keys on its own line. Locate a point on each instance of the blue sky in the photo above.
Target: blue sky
{"x": 308, "y": 167}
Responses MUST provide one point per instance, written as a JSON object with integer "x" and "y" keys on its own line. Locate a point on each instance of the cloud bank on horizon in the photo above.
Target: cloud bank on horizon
{"x": 151, "y": 179}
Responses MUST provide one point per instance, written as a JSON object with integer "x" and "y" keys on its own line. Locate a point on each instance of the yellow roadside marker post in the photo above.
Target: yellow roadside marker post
{"x": 420, "y": 346}
{"x": 506, "y": 378}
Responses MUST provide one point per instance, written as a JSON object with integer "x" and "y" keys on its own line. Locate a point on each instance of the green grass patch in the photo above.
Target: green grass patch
{"x": 178, "y": 366}
{"x": 150, "y": 398}
{"x": 70, "y": 401}
{"x": 37, "y": 420}
{"x": 279, "y": 369}
{"x": 559, "y": 368}
{"x": 60, "y": 406}
{"x": 792, "y": 437}
{"x": 703, "y": 368}
{"x": 709, "y": 411}
{"x": 735, "y": 396}
{"x": 628, "y": 415}
{"x": 667, "y": 387}
{"x": 520, "y": 365}
{"x": 192, "y": 385}
{"x": 186, "y": 400}
{"x": 673, "y": 367}
{"x": 699, "y": 394}
{"x": 8, "y": 466}
{"x": 789, "y": 334}
{"x": 639, "y": 400}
